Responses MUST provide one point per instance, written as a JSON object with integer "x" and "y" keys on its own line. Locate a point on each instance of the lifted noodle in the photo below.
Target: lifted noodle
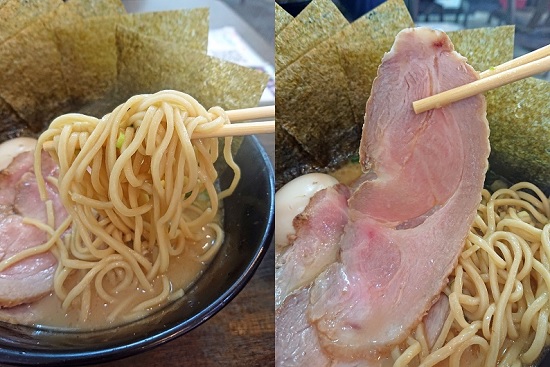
{"x": 130, "y": 182}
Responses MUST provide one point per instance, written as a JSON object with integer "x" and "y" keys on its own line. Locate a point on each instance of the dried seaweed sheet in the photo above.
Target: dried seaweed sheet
{"x": 71, "y": 12}
{"x": 95, "y": 8}
{"x": 187, "y": 28}
{"x": 295, "y": 37}
{"x": 16, "y": 15}
{"x": 313, "y": 107}
{"x": 282, "y": 18}
{"x": 362, "y": 46}
{"x": 89, "y": 53}
{"x": 12, "y": 125}
{"x": 520, "y": 132}
{"x": 519, "y": 122}
{"x": 293, "y": 160}
{"x": 485, "y": 47}
{"x": 213, "y": 82}
{"x": 319, "y": 20}
{"x": 86, "y": 45}
{"x": 326, "y": 89}
{"x": 33, "y": 85}
{"x": 89, "y": 56}
{"x": 210, "y": 80}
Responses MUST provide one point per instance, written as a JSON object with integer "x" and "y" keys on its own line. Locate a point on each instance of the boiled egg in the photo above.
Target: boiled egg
{"x": 292, "y": 199}
{"x": 12, "y": 148}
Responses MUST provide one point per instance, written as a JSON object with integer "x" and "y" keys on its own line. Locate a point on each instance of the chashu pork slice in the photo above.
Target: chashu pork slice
{"x": 407, "y": 221}
{"x": 296, "y": 342}
{"x": 318, "y": 231}
{"x": 31, "y": 278}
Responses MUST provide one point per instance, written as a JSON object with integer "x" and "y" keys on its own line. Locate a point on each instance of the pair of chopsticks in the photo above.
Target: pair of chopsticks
{"x": 522, "y": 67}
{"x": 244, "y": 128}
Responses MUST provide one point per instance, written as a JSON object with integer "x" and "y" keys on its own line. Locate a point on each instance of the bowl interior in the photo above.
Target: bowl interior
{"x": 248, "y": 224}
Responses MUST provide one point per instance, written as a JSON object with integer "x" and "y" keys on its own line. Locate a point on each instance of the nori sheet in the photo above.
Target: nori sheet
{"x": 519, "y": 118}
{"x": 485, "y": 47}
{"x": 94, "y": 8}
{"x": 362, "y": 46}
{"x": 188, "y": 28}
{"x": 89, "y": 49}
{"x": 213, "y": 82}
{"x": 293, "y": 160}
{"x": 313, "y": 107}
{"x": 305, "y": 31}
{"x": 89, "y": 55}
{"x": 16, "y": 15}
{"x": 518, "y": 114}
{"x": 12, "y": 125}
{"x": 33, "y": 85}
{"x": 71, "y": 12}
{"x": 34, "y": 88}
{"x": 282, "y": 18}
{"x": 294, "y": 38}
{"x": 102, "y": 63}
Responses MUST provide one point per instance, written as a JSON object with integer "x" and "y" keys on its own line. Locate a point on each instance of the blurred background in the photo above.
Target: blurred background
{"x": 258, "y": 14}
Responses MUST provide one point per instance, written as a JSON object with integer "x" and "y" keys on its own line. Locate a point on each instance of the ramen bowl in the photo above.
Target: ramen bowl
{"x": 248, "y": 223}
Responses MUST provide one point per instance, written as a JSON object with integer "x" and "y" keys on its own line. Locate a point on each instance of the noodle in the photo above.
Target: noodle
{"x": 131, "y": 183}
{"x": 499, "y": 291}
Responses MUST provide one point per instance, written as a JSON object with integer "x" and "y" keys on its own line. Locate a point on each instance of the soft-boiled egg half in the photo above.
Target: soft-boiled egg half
{"x": 292, "y": 199}
{"x": 12, "y": 148}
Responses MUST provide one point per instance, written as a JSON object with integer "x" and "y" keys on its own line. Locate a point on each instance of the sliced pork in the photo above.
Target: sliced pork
{"x": 435, "y": 319}
{"x": 408, "y": 220}
{"x": 31, "y": 278}
{"x": 318, "y": 232}
{"x": 296, "y": 342}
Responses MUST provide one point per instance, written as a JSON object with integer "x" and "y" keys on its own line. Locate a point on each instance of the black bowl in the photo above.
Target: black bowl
{"x": 249, "y": 222}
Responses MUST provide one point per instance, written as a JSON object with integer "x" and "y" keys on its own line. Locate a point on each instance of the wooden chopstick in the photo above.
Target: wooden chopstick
{"x": 523, "y": 67}
{"x": 255, "y": 113}
{"x": 518, "y": 61}
{"x": 243, "y": 128}
{"x": 240, "y": 129}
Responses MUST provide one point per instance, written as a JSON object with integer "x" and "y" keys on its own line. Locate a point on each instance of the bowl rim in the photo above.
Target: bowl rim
{"x": 142, "y": 344}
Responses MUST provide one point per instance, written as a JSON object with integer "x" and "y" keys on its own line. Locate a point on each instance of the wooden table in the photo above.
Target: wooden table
{"x": 242, "y": 334}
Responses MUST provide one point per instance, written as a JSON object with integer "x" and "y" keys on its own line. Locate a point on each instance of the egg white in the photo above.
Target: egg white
{"x": 12, "y": 148}
{"x": 292, "y": 199}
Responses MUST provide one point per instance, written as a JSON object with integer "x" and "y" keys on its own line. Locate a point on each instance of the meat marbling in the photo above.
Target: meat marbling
{"x": 408, "y": 221}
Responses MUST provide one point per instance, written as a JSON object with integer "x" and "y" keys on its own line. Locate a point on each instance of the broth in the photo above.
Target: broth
{"x": 183, "y": 272}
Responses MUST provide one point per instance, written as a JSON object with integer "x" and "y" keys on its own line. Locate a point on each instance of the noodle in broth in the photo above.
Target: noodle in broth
{"x": 141, "y": 195}
{"x": 498, "y": 292}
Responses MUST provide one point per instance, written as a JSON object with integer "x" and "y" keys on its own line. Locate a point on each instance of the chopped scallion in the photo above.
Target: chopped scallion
{"x": 120, "y": 140}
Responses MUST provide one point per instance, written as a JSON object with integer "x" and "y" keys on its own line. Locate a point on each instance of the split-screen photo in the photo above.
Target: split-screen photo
{"x": 320, "y": 183}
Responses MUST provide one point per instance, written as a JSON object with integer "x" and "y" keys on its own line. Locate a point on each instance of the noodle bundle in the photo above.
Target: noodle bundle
{"x": 139, "y": 191}
{"x": 499, "y": 291}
